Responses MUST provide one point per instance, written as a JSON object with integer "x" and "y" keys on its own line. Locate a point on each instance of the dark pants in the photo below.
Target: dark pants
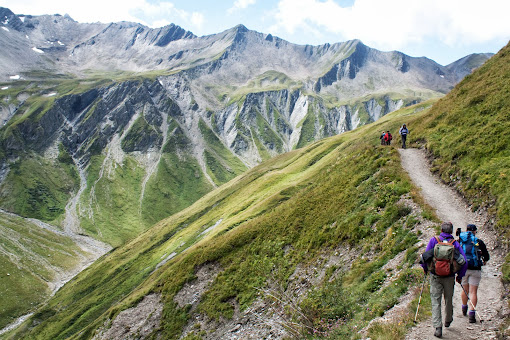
{"x": 404, "y": 141}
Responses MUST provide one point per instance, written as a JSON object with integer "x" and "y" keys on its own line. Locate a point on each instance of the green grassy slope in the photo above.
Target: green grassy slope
{"x": 340, "y": 191}
{"x": 113, "y": 198}
{"x": 38, "y": 187}
{"x": 221, "y": 163}
{"x": 29, "y": 257}
{"x": 468, "y": 136}
{"x": 179, "y": 180}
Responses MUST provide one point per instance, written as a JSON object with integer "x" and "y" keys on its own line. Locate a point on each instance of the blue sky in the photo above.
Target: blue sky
{"x": 443, "y": 30}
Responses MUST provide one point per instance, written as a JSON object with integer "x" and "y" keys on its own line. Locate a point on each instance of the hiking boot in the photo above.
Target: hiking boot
{"x": 439, "y": 332}
{"x": 472, "y": 318}
{"x": 464, "y": 310}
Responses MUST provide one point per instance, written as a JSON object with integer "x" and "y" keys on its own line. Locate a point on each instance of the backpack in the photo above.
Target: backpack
{"x": 442, "y": 262}
{"x": 469, "y": 243}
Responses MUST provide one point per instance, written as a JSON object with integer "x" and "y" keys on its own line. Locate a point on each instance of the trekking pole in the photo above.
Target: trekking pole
{"x": 419, "y": 300}
{"x": 474, "y": 308}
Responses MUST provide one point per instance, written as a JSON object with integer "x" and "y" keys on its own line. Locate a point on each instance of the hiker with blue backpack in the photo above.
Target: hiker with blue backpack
{"x": 404, "y": 131}
{"x": 476, "y": 256}
{"x": 443, "y": 258}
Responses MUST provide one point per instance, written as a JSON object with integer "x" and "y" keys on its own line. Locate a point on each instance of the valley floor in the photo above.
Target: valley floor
{"x": 449, "y": 206}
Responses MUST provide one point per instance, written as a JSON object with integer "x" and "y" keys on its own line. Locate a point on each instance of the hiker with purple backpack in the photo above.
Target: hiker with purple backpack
{"x": 444, "y": 258}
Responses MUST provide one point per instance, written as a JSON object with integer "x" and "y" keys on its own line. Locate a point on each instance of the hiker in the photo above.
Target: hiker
{"x": 442, "y": 273}
{"x": 388, "y": 137}
{"x": 382, "y": 138}
{"x": 403, "y": 133}
{"x": 476, "y": 255}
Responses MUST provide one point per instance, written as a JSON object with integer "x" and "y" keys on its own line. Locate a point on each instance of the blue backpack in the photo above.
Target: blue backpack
{"x": 469, "y": 244}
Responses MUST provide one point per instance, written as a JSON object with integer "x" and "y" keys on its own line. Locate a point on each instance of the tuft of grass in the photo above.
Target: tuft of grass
{"x": 398, "y": 330}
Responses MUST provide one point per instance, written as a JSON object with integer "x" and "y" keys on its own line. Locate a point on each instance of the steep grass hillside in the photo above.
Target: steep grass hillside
{"x": 341, "y": 193}
{"x": 468, "y": 136}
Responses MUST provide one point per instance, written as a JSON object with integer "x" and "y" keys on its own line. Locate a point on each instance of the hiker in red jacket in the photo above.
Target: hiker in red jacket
{"x": 387, "y": 138}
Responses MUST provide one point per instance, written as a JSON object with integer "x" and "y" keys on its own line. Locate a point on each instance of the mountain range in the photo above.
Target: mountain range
{"x": 122, "y": 100}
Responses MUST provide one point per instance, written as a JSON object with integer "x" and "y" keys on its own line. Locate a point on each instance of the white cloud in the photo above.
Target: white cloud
{"x": 395, "y": 23}
{"x": 160, "y": 23}
{"x": 197, "y": 19}
{"x": 241, "y": 4}
{"x": 142, "y": 11}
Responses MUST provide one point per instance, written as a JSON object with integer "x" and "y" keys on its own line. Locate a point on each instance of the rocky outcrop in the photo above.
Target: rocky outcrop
{"x": 347, "y": 68}
{"x": 8, "y": 17}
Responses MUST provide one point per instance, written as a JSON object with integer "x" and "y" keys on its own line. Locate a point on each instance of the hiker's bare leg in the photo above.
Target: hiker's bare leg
{"x": 464, "y": 296}
{"x": 473, "y": 295}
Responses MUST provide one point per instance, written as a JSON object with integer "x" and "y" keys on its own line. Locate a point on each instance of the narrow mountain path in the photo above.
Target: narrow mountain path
{"x": 449, "y": 206}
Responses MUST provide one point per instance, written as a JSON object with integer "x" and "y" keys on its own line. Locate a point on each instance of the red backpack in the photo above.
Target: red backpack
{"x": 442, "y": 262}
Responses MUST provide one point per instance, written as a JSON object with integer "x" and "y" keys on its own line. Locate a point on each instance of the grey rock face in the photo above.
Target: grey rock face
{"x": 10, "y": 19}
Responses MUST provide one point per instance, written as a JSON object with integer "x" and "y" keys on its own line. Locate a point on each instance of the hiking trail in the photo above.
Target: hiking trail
{"x": 449, "y": 206}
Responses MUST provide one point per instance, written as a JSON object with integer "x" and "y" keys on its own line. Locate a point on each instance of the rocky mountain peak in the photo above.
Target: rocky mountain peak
{"x": 9, "y": 19}
{"x": 171, "y": 33}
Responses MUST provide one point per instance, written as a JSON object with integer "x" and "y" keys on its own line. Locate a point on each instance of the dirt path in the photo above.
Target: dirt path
{"x": 449, "y": 206}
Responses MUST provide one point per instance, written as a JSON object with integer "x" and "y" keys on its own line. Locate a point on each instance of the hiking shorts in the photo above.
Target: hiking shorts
{"x": 472, "y": 277}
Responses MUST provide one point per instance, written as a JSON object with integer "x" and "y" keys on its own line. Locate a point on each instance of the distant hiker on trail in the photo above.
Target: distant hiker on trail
{"x": 382, "y": 138}
{"x": 387, "y": 138}
{"x": 403, "y": 133}
{"x": 444, "y": 258}
{"x": 476, "y": 255}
